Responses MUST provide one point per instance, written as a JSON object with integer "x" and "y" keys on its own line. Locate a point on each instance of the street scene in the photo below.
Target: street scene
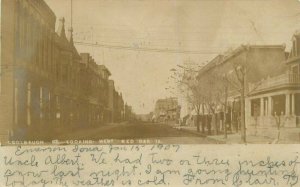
{"x": 138, "y": 132}
{"x": 188, "y": 72}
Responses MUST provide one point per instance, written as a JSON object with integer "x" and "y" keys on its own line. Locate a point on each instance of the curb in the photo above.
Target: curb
{"x": 192, "y": 132}
{"x": 218, "y": 141}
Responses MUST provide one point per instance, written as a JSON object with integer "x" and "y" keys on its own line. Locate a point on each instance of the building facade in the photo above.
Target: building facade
{"x": 167, "y": 110}
{"x": 271, "y": 85}
{"x": 111, "y": 93}
{"x": 47, "y": 87}
{"x": 28, "y": 61}
{"x": 66, "y": 90}
{"x": 128, "y": 116}
{"x": 94, "y": 90}
{"x": 275, "y": 102}
{"x": 116, "y": 107}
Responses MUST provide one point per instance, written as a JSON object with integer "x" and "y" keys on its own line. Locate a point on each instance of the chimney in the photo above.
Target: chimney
{"x": 61, "y": 28}
{"x": 70, "y": 36}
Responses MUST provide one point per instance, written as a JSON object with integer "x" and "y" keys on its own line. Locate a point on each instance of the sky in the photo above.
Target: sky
{"x": 206, "y": 27}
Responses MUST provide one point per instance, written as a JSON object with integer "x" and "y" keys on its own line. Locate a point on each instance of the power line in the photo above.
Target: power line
{"x": 72, "y": 13}
{"x": 144, "y": 49}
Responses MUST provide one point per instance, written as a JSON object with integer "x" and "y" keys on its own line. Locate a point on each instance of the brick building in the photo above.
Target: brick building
{"x": 65, "y": 86}
{"x": 271, "y": 86}
{"x": 128, "y": 113}
{"x": 111, "y": 93}
{"x": 167, "y": 110}
{"x": 47, "y": 87}
{"x": 27, "y": 61}
{"x": 118, "y": 107}
{"x": 115, "y": 104}
{"x": 104, "y": 93}
{"x": 94, "y": 89}
{"x": 275, "y": 102}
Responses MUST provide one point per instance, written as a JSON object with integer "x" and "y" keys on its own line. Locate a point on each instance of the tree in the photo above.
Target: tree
{"x": 241, "y": 69}
{"x": 209, "y": 96}
{"x": 194, "y": 97}
{"x": 191, "y": 89}
{"x": 237, "y": 82}
{"x": 222, "y": 98}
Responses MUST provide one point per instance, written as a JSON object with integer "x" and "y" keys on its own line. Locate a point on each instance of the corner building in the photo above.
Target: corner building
{"x": 47, "y": 87}
{"x": 27, "y": 66}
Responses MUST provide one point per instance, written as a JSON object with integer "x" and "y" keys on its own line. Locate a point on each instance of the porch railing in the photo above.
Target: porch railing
{"x": 294, "y": 78}
{"x": 284, "y": 79}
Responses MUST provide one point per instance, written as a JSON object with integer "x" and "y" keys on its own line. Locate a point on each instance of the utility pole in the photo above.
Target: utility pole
{"x": 243, "y": 121}
{"x": 71, "y": 13}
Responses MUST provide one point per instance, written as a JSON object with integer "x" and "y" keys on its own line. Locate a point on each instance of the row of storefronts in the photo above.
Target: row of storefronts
{"x": 47, "y": 87}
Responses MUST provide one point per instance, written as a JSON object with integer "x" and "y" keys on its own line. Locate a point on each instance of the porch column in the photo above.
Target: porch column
{"x": 262, "y": 106}
{"x": 265, "y": 107}
{"x": 293, "y": 104}
{"x": 247, "y": 111}
{"x": 287, "y": 104}
{"x": 270, "y": 105}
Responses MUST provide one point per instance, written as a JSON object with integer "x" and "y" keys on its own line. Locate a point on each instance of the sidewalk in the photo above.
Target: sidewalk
{"x": 116, "y": 123}
{"x": 236, "y": 137}
{"x": 190, "y": 129}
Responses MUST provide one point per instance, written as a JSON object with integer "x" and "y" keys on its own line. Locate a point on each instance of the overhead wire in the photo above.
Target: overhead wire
{"x": 146, "y": 49}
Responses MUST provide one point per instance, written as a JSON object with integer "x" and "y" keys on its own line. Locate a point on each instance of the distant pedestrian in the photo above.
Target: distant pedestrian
{"x": 203, "y": 123}
{"x": 209, "y": 120}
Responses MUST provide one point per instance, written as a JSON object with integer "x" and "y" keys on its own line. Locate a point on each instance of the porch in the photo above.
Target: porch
{"x": 276, "y": 109}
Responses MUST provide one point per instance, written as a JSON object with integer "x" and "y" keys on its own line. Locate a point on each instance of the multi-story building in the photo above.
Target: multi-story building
{"x": 104, "y": 94}
{"x": 46, "y": 85}
{"x": 167, "y": 110}
{"x": 115, "y": 104}
{"x": 118, "y": 107}
{"x": 28, "y": 66}
{"x": 111, "y": 96}
{"x": 275, "y": 101}
{"x": 128, "y": 112}
{"x": 65, "y": 85}
{"x": 93, "y": 79}
{"x": 271, "y": 85}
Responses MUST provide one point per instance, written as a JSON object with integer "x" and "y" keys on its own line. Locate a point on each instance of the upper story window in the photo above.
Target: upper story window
{"x": 294, "y": 47}
{"x": 295, "y": 69}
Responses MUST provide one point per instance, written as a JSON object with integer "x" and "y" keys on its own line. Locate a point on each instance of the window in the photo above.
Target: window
{"x": 294, "y": 77}
{"x": 57, "y": 101}
{"x": 294, "y": 47}
{"x": 16, "y": 101}
{"x": 28, "y": 103}
{"x": 255, "y": 107}
{"x": 41, "y": 102}
{"x": 295, "y": 69}
{"x": 65, "y": 73}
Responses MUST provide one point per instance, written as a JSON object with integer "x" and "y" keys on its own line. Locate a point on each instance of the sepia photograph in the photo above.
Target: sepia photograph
{"x": 150, "y": 72}
{"x": 150, "y": 93}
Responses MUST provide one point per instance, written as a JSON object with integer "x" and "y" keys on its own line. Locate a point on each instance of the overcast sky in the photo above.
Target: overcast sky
{"x": 206, "y": 26}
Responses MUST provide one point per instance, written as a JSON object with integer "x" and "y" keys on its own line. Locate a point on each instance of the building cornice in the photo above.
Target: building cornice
{"x": 223, "y": 58}
{"x": 42, "y": 9}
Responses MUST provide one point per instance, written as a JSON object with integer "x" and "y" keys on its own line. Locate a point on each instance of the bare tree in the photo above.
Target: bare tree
{"x": 239, "y": 82}
{"x": 195, "y": 98}
{"x": 209, "y": 97}
{"x": 222, "y": 98}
